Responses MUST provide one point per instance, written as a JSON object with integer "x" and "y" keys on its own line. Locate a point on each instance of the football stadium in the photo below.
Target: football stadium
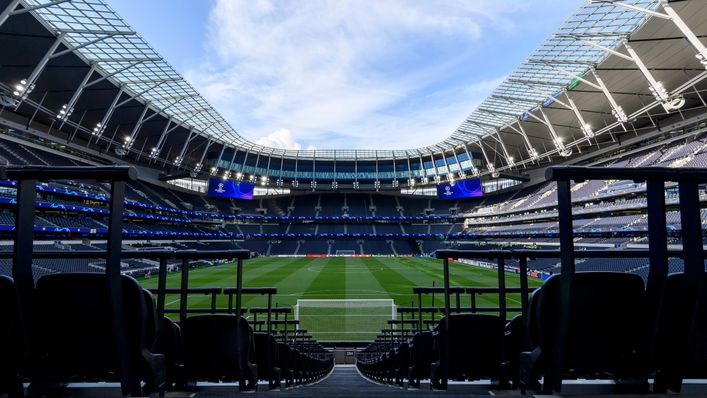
{"x": 157, "y": 240}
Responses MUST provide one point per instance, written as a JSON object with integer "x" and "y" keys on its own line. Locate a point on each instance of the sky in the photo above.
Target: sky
{"x": 345, "y": 74}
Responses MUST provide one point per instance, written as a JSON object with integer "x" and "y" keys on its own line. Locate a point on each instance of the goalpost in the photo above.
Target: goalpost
{"x": 346, "y": 253}
{"x": 344, "y": 319}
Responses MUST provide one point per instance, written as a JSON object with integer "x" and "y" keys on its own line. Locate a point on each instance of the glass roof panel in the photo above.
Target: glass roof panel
{"x": 100, "y": 35}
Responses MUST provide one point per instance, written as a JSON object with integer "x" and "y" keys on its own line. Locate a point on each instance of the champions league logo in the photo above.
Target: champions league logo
{"x": 219, "y": 188}
{"x": 447, "y": 191}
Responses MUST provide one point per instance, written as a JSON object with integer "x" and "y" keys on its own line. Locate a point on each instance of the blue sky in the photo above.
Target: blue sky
{"x": 345, "y": 74}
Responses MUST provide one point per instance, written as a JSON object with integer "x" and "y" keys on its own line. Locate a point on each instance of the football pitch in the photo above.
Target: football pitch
{"x": 363, "y": 279}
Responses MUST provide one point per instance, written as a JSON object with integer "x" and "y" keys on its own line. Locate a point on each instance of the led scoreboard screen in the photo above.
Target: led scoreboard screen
{"x": 461, "y": 189}
{"x": 230, "y": 188}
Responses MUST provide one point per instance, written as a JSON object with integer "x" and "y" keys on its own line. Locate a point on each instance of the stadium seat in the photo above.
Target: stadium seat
{"x": 513, "y": 344}
{"x": 267, "y": 358}
{"x": 601, "y": 340}
{"x": 421, "y": 357}
{"x": 680, "y": 349}
{"x": 11, "y": 340}
{"x": 475, "y": 349}
{"x": 219, "y": 348}
{"x": 77, "y": 330}
{"x": 286, "y": 371}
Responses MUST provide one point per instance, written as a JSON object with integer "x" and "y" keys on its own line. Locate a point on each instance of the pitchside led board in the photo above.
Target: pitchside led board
{"x": 461, "y": 189}
{"x": 231, "y": 189}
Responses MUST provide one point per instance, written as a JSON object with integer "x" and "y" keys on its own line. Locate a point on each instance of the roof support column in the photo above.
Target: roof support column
{"x": 669, "y": 102}
{"x": 130, "y": 140}
{"x": 11, "y": 9}
{"x": 673, "y": 16}
{"x": 490, "y": 166}
{"x": 509, "y": 159}
{"x": 68, "y": 108}
{"x": 532, "y": 152}
{"x": 101, "y": 126}
{"x": 179, "y": 159}
{"x": 200, "y": 164}
{"x": 25, "y": 86}
{"x": 214, "y": 168}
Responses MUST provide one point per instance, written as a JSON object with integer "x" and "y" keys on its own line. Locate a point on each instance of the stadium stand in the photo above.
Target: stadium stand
{"x": 591, "y": 178}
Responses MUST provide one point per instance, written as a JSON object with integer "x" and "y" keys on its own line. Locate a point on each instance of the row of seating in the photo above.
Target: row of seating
{"x": 614, "y": 333}
{"x": 70, "y": 337}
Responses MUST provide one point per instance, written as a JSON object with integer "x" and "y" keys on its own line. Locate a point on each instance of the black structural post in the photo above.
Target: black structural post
{"x": 23, "y": 245}
{"x": 502, "y": 288}
{"x": 183, "y": 289}
{"x": 693, "y": 257}
{"x": 239, "y": 287}
{"x": 115, "y": 285}
{"x": 564, "y": 210}
{"x": 523, "y": 266}
{"x": 658, "y": 262}
{"x": 161, "y": 288}
{"x": 445, "y": 362}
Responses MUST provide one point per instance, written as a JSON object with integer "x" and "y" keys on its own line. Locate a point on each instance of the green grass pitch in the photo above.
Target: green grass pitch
{"x": 340, "y": 278}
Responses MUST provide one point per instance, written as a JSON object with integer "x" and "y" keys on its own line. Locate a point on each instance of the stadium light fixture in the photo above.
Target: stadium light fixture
{"x": 424, "y": 180}
{"x": 313, "y": 184}
{"x": 98, "y": 129}
{"x": 251, "y": 178}
{"x": 334, "y": 185}
{"x": 64, "y": 112}
{"x": 279, "y": 182}
{"x": 411, "y": 182}
{"x": 22, "y": 89}
{"x": 239, "y": 176}
{"x": 396, "y": 183}
{"x": 295, "y": 183}
{"x": 214, "y": 171}
{"x": 226, "y": 175}
{"x": 356, "y": 185}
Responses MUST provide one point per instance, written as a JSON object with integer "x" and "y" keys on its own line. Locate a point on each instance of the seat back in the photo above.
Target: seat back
{"x": 265, "y": 355}
{"x": 422, "y": 353}
{"x": 11, "y": 339}
{"x": 681, "y": 338}
{"x": 216, "y": 347}
{"x": 475, "y": 345}
{"x": 151, "y": 320}
{"x": 77, "y": 325}
{"x": 604, "y": 324}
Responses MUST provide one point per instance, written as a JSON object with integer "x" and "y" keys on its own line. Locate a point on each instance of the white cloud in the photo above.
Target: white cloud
{"x": 281, "y": 139}
{"x": 345, "y": 74}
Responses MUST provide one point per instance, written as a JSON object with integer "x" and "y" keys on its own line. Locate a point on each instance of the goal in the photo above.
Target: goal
{"x": 346, "y": 252}
{"x": 344, "y": 319}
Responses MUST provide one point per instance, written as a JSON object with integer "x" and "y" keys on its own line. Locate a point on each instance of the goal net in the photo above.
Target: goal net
{"x": 344, "y": 319}
{"x": 346, "y": 252}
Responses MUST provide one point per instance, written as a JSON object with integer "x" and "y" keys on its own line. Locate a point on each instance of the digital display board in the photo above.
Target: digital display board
{"x": 461, "y": 189}
{"x": 230, "y": 188}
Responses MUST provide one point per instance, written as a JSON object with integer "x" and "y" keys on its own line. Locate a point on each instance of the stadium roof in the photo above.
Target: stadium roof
{"x": 585, "y": 80}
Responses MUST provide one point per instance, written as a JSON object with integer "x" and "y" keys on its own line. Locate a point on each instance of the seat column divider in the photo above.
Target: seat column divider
{"x": 524, "y": 299}
{"x": 161, "y": 288}
{"x": 445, "y": 264}
{"x": 657, "y": 260}
{"x": 502, "y": 288}
{"x": 564, "y": 209}
{"x": 24, "y": 240}
{"x": 22, "y": 258}
{"x": 419, "y": 309}
{"x": 183, "y": 289}
{"x": 115, "y": 240}
{"x": 693, "y": 252}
